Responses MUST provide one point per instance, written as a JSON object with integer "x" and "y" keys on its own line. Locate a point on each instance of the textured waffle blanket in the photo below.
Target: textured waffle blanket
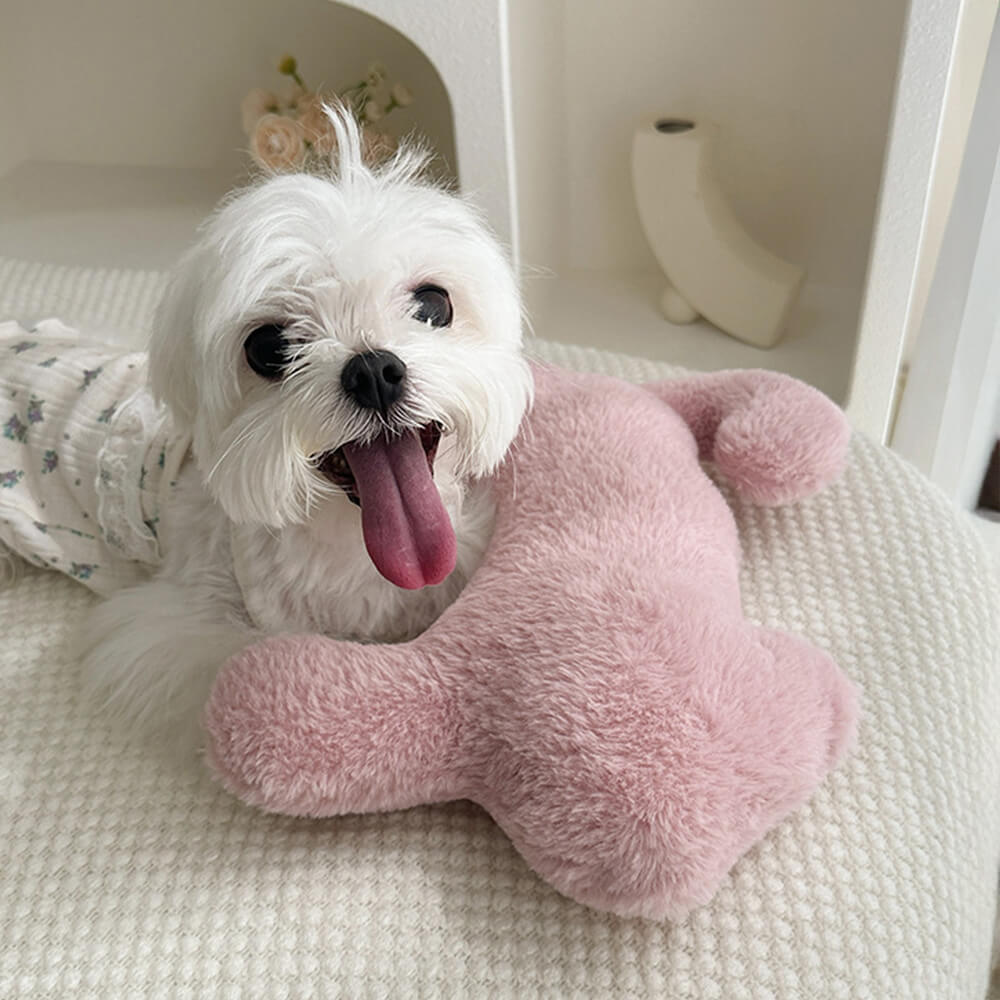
{"x": 125, "y": 872}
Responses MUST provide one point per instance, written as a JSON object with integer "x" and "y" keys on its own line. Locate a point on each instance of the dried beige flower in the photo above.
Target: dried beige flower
{"x": 293, "y": 97}
{"x": 376, "y": 146}
{"x": 277, "y": 143}
{"x": 401, "y": 95}
{"x": 316, "y": 127}
{"x": 256, "y": 104}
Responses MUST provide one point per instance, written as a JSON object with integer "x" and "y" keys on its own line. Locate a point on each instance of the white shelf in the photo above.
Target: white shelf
{"x": 144, "y": 217}
{"x": 104, "y": 216}
{"x": 620, "y": 312}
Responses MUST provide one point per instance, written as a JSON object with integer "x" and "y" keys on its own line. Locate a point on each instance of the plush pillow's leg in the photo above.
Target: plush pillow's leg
{"x": 775, "y": 438}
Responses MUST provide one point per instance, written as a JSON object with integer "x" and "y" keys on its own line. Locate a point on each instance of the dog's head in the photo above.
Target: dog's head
{"x": 330, "y": 335}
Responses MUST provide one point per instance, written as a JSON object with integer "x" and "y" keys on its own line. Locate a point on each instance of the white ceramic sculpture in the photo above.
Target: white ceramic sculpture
{"x": 714, "y": 268}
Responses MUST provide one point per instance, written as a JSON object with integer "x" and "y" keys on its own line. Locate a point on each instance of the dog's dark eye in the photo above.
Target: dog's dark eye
{"x": 433, "y": 305}
{"x": 266, "y": 351}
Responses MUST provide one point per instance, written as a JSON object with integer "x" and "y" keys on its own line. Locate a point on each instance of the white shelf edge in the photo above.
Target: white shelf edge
{"x": 618, "y": 311}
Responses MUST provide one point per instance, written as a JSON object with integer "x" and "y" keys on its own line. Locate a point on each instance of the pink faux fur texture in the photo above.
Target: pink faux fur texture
{"x": 595, "y": 687}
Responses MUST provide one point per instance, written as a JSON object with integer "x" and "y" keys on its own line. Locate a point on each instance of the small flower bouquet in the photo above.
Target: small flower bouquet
{"x": 293, "y": 133}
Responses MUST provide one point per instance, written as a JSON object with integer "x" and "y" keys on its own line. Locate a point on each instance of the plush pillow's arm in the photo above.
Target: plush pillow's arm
{"x": 775, "y": 438}
{"x": 309, "y": 726}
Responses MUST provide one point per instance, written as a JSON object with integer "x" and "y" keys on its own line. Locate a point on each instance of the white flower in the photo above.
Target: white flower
{"x": 376, "y": 74}
{"x": 401, "y": 95}
{"x": 255, "y": 105}
{"x": 373, "y": 111}
{"x": 277, "y": 143}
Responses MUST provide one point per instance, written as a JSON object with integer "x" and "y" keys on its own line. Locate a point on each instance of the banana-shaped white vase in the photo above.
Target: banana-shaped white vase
{"x": 714, "y": 267}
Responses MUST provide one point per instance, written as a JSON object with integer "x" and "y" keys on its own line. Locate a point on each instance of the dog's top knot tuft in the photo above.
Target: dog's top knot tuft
{"x": 347, "y": 161}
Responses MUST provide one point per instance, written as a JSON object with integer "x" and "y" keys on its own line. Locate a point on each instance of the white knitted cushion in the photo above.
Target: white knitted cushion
{"x": 125, "y": 872}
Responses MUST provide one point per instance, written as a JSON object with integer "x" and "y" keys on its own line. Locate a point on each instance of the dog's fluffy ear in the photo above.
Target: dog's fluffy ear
{"x": 172, "y": 349}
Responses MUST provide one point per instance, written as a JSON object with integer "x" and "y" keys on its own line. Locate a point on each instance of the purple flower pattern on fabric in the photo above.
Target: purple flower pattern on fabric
{"x": 46, "y": 528}
{"x": 15, "y": 430}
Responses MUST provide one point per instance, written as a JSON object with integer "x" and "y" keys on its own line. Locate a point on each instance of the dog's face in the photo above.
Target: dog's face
{"x": 325, "y": 334}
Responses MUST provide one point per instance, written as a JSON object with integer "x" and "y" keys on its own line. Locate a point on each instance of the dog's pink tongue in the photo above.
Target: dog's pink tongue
{"x": 408, "y": 533}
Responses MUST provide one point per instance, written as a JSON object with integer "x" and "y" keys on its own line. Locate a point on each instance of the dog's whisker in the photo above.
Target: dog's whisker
{"x": 240, "y": 438}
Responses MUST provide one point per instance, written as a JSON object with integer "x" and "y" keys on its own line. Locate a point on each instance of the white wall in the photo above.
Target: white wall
{"x": 144, "y": 82}
{"x": 802, "y": 92}
{"x": 971, "y": 45}
{"x": 947, "y": 416}
{"x": 468, "y": 43}
{"x": 538, "y": 69}
{"x": 801, "y": 89}
{"x": 13, "y": 142}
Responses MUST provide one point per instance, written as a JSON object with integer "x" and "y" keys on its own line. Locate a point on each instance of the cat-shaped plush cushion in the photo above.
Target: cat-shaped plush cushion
{"x": 595, "y": 686}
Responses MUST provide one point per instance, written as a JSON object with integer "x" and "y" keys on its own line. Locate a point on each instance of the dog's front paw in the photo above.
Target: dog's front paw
{"x": 148, "y": 656}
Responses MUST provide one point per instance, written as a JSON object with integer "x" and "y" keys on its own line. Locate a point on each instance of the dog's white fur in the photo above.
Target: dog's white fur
{"x": 256, "y": 540}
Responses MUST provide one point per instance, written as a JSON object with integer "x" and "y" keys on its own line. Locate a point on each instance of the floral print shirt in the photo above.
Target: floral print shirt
{"x": 86, "y": 456}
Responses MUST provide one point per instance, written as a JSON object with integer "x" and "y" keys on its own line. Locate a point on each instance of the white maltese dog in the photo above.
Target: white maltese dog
{"x": 344, "y": 355}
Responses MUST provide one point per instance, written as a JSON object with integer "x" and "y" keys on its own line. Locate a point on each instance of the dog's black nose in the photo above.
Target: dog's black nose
{"x": 374, "y": 380}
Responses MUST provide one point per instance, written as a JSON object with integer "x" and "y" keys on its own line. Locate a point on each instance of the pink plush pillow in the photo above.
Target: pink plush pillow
{"x": 595, "y": 686}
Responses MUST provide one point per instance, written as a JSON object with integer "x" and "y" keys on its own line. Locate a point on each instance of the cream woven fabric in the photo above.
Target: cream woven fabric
{"x": 124, "y": 872}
